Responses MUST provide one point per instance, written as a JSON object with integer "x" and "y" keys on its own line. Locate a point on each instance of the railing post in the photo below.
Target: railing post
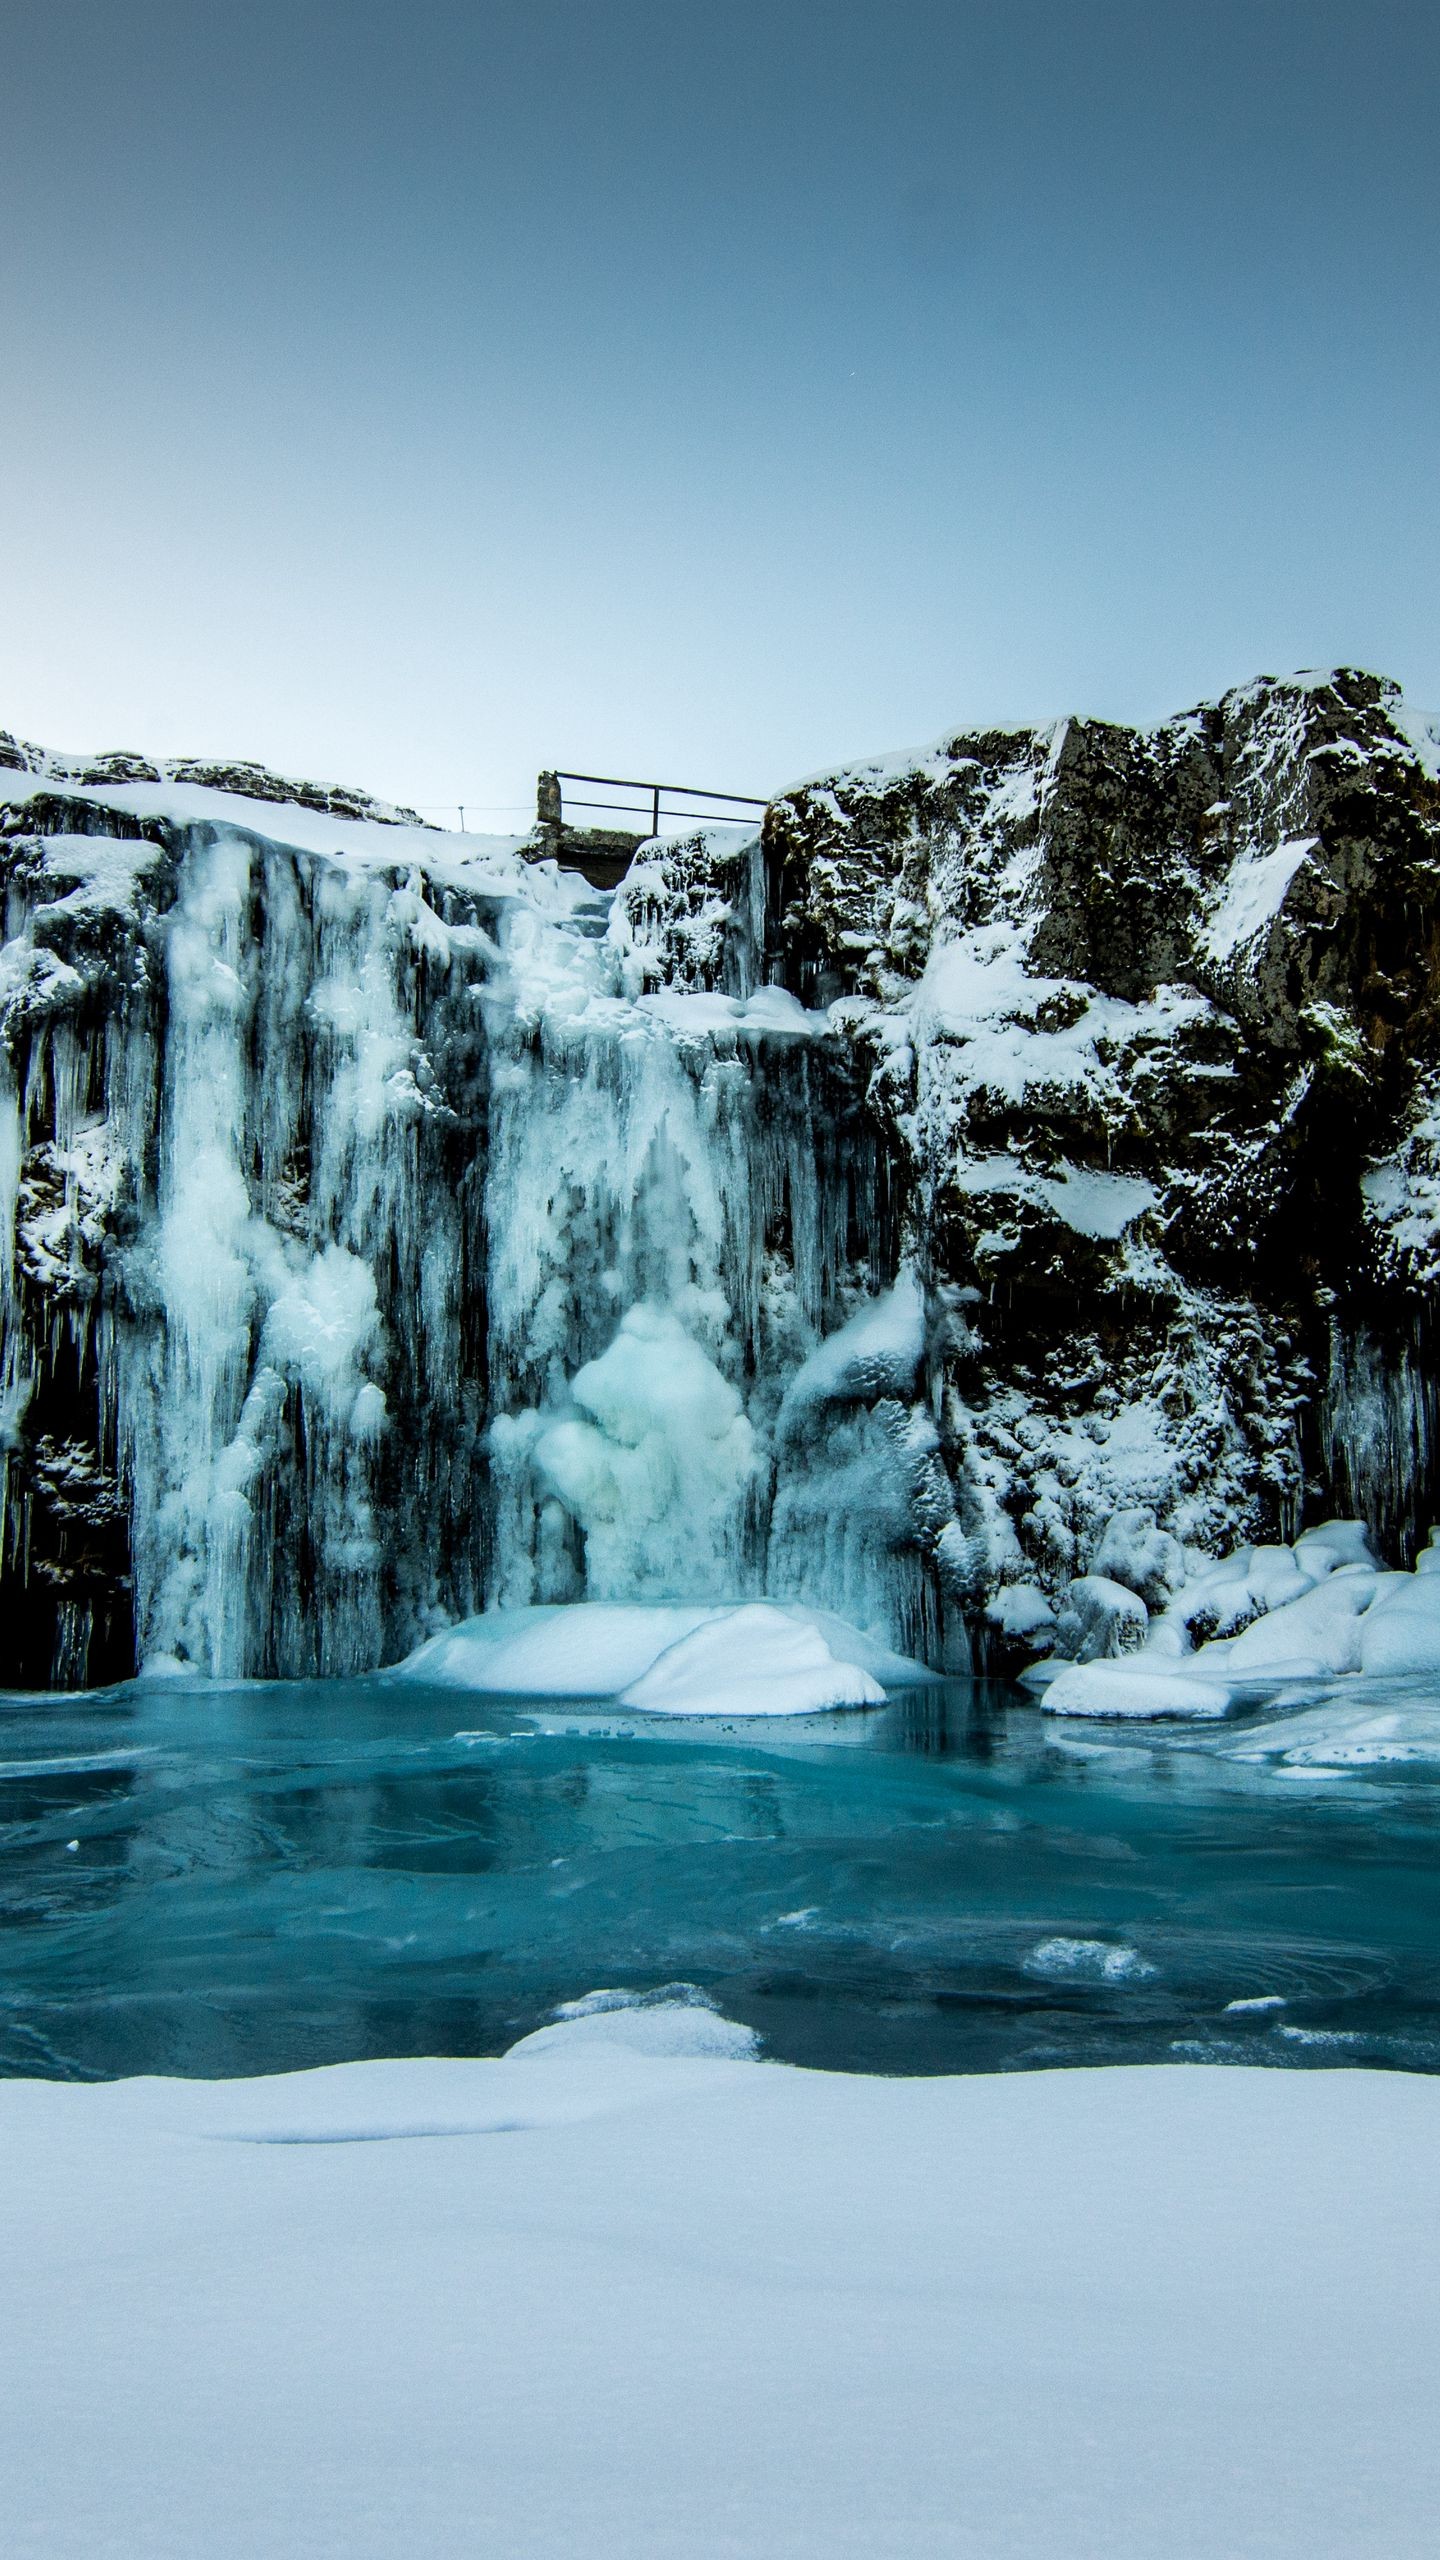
{"x": 655, "y": 830}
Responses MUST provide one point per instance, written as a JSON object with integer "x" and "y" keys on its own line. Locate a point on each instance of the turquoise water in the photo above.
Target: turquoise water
{"x": 259, "y": 1878}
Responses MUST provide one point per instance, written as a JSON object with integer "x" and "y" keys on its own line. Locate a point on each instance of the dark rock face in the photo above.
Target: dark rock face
{"x": 1076, "y": 1210}
{"x": 1153, "y": 1017}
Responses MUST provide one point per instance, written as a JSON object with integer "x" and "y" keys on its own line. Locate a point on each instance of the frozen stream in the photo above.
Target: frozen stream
{"x": 260, "y": 1877}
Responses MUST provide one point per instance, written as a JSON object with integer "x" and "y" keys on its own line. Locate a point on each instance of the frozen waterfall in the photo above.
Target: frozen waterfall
{"x": 401, "y": 1258}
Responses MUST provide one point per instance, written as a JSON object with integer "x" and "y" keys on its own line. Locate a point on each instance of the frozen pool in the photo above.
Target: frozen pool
{"x": 252, "y": 1878}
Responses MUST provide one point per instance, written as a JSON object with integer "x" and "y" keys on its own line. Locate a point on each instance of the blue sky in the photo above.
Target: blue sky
{"x": 418, "y": 396}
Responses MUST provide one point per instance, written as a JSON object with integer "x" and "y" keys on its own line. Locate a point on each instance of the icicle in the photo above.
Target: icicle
{"x": 15, "y": 1380}
{"x": 1380, "y": 1424}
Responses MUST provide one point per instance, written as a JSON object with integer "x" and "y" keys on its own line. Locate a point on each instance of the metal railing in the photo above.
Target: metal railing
{"x": 651, "y": 806}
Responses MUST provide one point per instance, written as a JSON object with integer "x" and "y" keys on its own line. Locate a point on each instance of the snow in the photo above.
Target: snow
{"x": 1089, "y": 1202}
{"x": 620, "y": 2295}
{"x": 1022, "y": 1610}
{"x": 755, "y": 1661}
{"x": 1331, "y": 1543}
{"x": 1400, "y": 1631}
{"x": 1323, "y": 1609}
{"x": 751, "y": 1658}
{"x": 1421, "y": 731}
{"x": 589, "y": 1650}
{"x": 444, "y": 853}
{"x": 1318, "y": 1632}
{"x": 106, "y": 871}
{"x": 1137, "y": 1684}
{"x": 1255, "y": 890}
{"x": 1100, "y": 1618}
{"x": 1401, "y": 1191}
{"x": 1134, "y": 1551}
{"x": 770, "y": 1009}
{"x": 876, "y": 1353}
{"x": 1023, "y": 1036}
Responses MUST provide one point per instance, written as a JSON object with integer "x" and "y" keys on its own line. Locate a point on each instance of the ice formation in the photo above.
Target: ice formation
{"x": 378, "y": 1257}
{"x": 973, "y": 1207}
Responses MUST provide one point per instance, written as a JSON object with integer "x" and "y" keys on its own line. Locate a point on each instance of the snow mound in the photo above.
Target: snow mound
{"x": 1137, "y": 1685}
{"x": 676, "y": 2023}
{"x": 752, "y": 1661}
{"x": 757, "y": 1658}
{"x": 1400, "y": 1632}
{"x": 1323, "y": 1609}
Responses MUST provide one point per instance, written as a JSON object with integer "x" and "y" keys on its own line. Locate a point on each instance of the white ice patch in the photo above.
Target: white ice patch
{"x": 769, "y": 1009}
{"x": 1367, "y": 1724}
{"x": 1401, "y": 1191}
{"x": 105, "y": 871}
{"x": 321, "y": 1323}
{"x": 1090, "y": 1203}
{"x": 1420, "y": 730}
{"x": 877, "y": 1353}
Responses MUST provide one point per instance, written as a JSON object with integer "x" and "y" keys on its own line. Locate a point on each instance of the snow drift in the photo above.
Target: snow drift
{"x": 630, "y": 2293}
{"x": 753, "y": 1659}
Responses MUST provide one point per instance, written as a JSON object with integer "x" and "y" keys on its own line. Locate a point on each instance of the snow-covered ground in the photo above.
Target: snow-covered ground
{"x": 628, "y": 2294}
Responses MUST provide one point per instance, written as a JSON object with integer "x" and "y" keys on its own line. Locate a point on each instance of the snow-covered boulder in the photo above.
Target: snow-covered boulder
{"x": 1100, "y": 1618}
{"x": 1400, "y": 1631}
{"x": 1318, "y": 1611}
{"x": 1145, "y": 1558}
